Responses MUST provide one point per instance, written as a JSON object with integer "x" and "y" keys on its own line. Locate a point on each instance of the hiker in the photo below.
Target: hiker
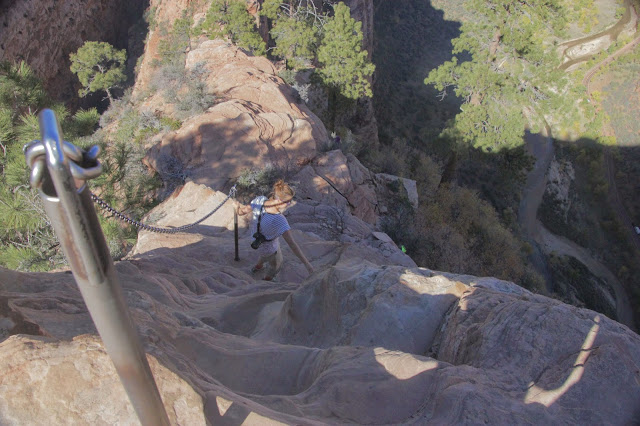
{"x": 269, "y": 224}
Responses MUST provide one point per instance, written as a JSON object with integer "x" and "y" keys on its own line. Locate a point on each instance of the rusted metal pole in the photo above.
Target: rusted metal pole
{"x": 69, "y": 206}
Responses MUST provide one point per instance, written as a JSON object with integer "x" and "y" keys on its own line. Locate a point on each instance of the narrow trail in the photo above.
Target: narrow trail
{"x": 545, "y": 242}
{"x": 540, "y": 146}
{"x": 613, "y": 32}
{"x": 586, "y": 81}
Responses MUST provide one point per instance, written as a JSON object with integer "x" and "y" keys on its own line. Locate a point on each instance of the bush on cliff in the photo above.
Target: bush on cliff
{"x": 229, "y": 18}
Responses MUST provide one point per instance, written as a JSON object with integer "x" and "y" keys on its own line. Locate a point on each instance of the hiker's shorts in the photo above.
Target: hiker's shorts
{"x": 272, "y": 262}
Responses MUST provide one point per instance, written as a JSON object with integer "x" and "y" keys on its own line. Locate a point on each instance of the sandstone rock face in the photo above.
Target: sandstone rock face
{"x": 256, "y": 122}
{"x": 340, "y": 181}
{"x": 62, "y": 382}
{"x": 44, "y": 32}
{"x": 343, "y": 182}
{"x": 362, "y": 10}
{"x": 365, "y": 339}
{"x": 165, "y": 13}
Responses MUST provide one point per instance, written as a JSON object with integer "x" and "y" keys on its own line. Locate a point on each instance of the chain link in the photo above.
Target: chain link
{"x": 125, "y": 218}
{"x": 84, "y": 165}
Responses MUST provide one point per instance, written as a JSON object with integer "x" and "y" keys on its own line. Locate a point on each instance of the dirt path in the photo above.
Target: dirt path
{"x": 541, "y": 148}
{"x": 544, "y": 242}
{"x": 630, "y": 15}
{"x": 563, "y": 246}
{"x": 589, "y": 74}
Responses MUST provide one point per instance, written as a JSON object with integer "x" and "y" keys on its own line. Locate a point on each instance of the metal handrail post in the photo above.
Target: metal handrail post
{"x": 235, "y": 233}
{"x": 76, "y": 223}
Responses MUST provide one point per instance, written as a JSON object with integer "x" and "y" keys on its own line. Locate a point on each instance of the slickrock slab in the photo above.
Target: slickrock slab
{"x": 360, "y": 341}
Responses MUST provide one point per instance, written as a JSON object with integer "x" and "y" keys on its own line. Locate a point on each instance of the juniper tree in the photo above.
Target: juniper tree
{"x": 344, "y": 65}
{"x": 512, "y": 78}
{"x": 99, "y": 66}
{"x": 296, "y": 41}
{"x": 229, "y": 18}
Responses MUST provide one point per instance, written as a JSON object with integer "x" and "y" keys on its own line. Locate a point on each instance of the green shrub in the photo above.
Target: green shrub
{"x": 170, "y": 123}
{"x": 187, "y": 89}
{"x": 85, "y": 122}
{"x": 257, "y": 181}
{"x": 229, "y": 18}
{"x": 289, "y": 76}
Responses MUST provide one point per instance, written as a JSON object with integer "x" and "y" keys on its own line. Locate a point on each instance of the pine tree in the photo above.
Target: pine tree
{"x": 27, "y": 241}
{"x": 344, "y": 65}
{"x": 295, "y": 30}
{"x": 512, "y": 79}
{"x": 20, "y": 89}
{"x": 229, "y": 18}
{"x": 296, "y": 42}
{"x": 99, "y": 66}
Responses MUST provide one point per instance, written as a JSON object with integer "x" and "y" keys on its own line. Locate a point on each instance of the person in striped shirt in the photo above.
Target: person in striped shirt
{"x": 273, "y": 224}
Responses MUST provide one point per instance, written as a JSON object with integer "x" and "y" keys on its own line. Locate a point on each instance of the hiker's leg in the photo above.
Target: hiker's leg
{"x": 274, "y": 265}
{"x": 260, "y": 264}
{"x": 278, "y": 262}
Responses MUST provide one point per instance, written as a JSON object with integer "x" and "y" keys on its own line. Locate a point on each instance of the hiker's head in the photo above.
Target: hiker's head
{"x": 283, "y": 192}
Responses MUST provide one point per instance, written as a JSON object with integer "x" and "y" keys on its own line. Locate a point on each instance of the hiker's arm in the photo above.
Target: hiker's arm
{"x": 288, "y": 237}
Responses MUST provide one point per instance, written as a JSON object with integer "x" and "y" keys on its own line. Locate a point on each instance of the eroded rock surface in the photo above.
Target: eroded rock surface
{"x": 363, "y": 340}
{"x": 256, "y": 120}
{"x": 44, "y": 32}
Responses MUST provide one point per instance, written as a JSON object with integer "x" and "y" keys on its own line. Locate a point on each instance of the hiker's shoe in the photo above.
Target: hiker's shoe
{"x": 256, "y": 268}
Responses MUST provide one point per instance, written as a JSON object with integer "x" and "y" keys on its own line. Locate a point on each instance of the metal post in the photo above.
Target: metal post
{"x": 235, "y": 231}
{"x": 69, "y": 206}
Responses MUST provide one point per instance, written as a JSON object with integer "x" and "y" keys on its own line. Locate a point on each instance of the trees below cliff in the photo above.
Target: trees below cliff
{"x": 99, "y": 67}
{"x": 512, "y": 79}
{"x": 344, "y": 64}
{"x": 326, "y": 38}
{"x": 28, "y": 243}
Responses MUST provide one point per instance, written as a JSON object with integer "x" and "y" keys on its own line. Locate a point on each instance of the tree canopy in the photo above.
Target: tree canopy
{"x": 229, "y": 18}
{"x": 99, "y": 66}
{"x": 305, "y": 34}
{"x": 511, "y": 79}
{"x": 296, "y": 41}
{"x": 27, "y": 241}
{"x": 344, "y": 65}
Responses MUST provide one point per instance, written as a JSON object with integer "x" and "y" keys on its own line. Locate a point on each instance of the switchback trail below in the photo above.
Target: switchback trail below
{"x": 544, "y": 242}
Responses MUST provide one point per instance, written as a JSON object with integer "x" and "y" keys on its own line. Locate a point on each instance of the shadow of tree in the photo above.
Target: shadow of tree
{"x": 411, "y": 38}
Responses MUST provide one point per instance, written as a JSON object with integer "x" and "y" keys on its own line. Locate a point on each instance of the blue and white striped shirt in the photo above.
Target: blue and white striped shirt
{"x": 272, "y": 226}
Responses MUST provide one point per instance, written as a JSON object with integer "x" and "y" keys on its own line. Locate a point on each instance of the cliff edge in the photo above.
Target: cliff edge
{"x": 368, "y": 338}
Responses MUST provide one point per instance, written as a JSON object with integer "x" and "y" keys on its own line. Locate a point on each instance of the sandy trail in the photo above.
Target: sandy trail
{"x": 545, "y": 243}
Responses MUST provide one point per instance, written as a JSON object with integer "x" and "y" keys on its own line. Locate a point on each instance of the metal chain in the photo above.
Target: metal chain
{"x": 84, "y": 165}
{"x": 124, "y": 218}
